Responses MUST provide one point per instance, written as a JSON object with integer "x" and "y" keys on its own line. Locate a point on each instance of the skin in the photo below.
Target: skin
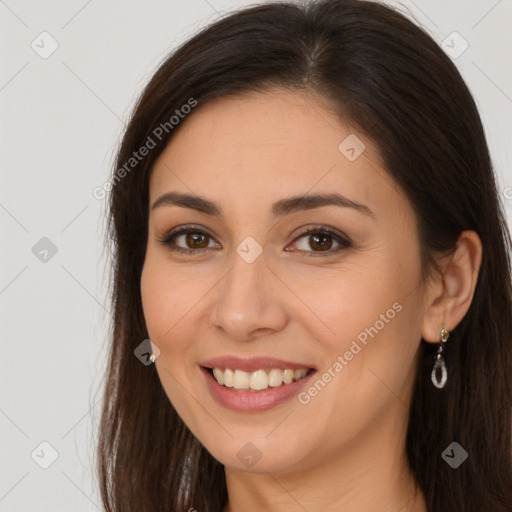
{"x": 344, "y": 450}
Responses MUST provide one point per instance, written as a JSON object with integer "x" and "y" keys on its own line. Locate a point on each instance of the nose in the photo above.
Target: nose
{"x": 248, "y": 301}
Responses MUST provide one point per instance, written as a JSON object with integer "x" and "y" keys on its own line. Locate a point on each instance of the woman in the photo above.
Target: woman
{"x": 310, "y": 248}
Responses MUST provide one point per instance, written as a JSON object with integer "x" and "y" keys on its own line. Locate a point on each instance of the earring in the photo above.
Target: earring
{"x": 439, "y": 365}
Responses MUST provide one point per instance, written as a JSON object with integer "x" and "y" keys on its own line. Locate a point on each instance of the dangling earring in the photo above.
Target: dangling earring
{"x": 439, "y": 365}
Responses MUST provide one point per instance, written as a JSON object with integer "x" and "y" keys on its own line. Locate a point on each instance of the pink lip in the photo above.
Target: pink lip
{"x": 252, "y": 364}
{"x": 253, "y": 401}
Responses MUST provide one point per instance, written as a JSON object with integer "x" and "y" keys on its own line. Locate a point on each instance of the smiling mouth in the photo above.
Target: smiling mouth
{"x": 259, "y": 380}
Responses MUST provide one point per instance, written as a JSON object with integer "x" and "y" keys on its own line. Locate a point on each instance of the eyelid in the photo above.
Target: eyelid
{"x": 318, "y": 229}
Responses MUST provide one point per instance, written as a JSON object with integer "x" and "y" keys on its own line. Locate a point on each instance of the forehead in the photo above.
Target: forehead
{"x": 242, "y": 149}
{"x": 261, "y": 122}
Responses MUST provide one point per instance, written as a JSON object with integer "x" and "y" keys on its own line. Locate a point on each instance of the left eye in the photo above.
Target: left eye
{"x": 322, "y": 239}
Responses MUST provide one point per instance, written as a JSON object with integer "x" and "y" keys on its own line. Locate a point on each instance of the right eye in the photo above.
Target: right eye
{"x": 195, "y": 240}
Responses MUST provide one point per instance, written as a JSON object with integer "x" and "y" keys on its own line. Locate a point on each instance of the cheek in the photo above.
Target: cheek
{"x": 165, "y": 306}
{"x": 171, "y": 299}
{"x": 339, "y": 304}
{"x": 164, "y": 302}
{"x": 369, "y": 315}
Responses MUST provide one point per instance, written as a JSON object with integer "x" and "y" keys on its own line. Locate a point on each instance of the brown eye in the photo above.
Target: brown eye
{"x": 196, "y": 240}
{"x": 188, "y": 240}
{"x": 312, "y": 242}
{"x": 321, "y": 240}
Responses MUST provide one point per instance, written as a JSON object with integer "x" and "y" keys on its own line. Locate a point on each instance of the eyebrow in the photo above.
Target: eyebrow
{"x": 279, "y": 208}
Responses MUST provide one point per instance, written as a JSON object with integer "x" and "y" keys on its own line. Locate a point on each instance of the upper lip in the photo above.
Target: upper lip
{"x": 252, "y": 364}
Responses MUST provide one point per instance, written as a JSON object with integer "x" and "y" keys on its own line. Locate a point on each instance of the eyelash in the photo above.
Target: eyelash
{"x": 344, "y": 242}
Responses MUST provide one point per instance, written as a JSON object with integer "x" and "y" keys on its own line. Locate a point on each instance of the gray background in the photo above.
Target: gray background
{"x": 61, "y": 118}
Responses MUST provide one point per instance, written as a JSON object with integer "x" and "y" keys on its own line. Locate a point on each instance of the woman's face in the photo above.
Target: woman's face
{"x": 257, "y": 294}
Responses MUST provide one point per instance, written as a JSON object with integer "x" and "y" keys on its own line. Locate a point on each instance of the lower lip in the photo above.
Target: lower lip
{"x": 253, "y": 401}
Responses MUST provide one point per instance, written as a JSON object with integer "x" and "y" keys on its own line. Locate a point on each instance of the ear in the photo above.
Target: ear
{"x": 450, "y": 294}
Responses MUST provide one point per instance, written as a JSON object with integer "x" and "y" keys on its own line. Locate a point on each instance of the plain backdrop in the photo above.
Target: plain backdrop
{"x": 62, "y": 115}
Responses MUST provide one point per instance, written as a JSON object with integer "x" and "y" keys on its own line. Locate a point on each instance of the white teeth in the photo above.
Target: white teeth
{"x": 298, "y": 374}
{"x": 288, "y": 376}
{"x": 219, "y": 375}
{"x": 275, "y": 378}
{"x": 258, "y": 380}
{"x": 241, "y": 380}
{"x": 227, "y": 377}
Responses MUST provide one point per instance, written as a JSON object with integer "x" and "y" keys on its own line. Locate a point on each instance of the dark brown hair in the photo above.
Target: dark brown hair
{"x": 386, "y": 76}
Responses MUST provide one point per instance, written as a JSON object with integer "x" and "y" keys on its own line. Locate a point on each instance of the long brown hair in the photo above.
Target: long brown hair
{"x": 391, "y": 80}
